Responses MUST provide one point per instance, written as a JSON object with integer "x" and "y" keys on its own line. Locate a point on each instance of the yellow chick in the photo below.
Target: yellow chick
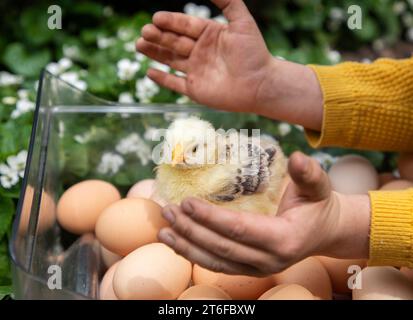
{"x": 228, "y": 168}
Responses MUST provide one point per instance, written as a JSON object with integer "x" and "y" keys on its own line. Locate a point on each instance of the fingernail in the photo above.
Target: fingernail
{"x": 166, "y": 237}
{"x": 187, "y": 207}
{"x": 168, "y": 215}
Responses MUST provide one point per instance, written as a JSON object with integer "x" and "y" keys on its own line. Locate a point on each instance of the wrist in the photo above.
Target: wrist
{"x": 290, "y": 92}
{"x": 349, "y": 239}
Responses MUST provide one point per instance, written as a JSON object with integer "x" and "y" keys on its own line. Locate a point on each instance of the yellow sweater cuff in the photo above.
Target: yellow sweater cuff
{"x": 391, "y": 235}
{"x": 366, "y": 106}
{"x": 338, "y": 127}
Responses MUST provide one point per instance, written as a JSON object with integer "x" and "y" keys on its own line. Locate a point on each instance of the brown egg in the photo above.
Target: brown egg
{"x": 408, "y": 273}
{"x": 106, "y": 285}
{"x": 203, "y": 292}
{"x": 152, "y": 272}
{"x": 405, "y": 165}
{"x": 397, "y": 185}
{"x": 383, "y": 283}
{"x": 128, "y": 224}
{"x": 353, "y": 174}
{"x": 310, "y": 274}
{"x": 46, "y": 217}
{"x": 385, "y": 178}
{"x": 338, "y": 270}
{"x": 80, "y": 206}
{"x": 287, "y": 292}
{"x": 108, "y": 257}
{"x": 142, "y": 189}
{"x": 146, "y": 189}
{"x": 238, "y": 287}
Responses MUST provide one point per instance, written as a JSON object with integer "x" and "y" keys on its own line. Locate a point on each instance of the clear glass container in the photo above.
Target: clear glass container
{"x": 72, "y": 131}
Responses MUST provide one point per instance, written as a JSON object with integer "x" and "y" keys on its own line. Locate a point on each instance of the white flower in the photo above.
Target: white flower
{"x": 221, "y": 19}
{"x": 18, "y": 163}
{"x": 10, "y": 172}
{"x": 334, "y": 56}
{"x": 104, "y": 43}
{"x": 140, "y": 57}
{"x": 135, "y": 144}
{"x": 146, "y": 89}
{"x": 59, "y": 67}
{"x": 324, "y": 159}
{"x": 150, "y": 134}
{"x": 337, "y": 14}
{"x": 70, "y": 52}
{"x": 197, "y": 11}
{"x": 22, "y": 106}
{"x": 366, "y": 60}
{"x": 409, "y": 34}
{"x": 23, "y": 94}
{"x": 284, "y": 129}
{"x": 9, "y": 100}
{"x": 8, "y": 79}
{"x": 82, "y": 138}
{"x": 129, "y": 46}
{"x": 127, "y": 69}
{"x": 8, "y": 181}
{"x": 73, "y": 79}
{"x": 65, "y": 63}
{"x": 399, "y": 7}
{"x": 126, "y": 97}
{"x": 110, "y": 163}
{"x": 125, "y": 34}
{"x": 183, "y": 100}
{"x": 159, "y": 66}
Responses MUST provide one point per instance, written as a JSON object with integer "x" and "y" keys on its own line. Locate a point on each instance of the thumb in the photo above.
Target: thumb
{"x": 233, "y": 9}
{"x": 310, "y": 180}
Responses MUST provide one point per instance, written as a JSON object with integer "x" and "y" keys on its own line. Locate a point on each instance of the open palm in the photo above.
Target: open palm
{"x": 225, "y": 64}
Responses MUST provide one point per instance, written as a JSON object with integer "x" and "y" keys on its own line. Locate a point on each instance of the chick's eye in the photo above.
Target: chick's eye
{"x": 194, "y": 149}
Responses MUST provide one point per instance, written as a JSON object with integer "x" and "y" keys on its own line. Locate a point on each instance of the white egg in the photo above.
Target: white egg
{"x": 353, "y": 174}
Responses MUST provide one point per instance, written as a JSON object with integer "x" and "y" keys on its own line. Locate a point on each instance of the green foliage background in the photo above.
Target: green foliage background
{"x": 304, "y": 31}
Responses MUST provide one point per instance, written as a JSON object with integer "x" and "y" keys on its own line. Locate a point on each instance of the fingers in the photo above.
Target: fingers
{"x": 180, "y": 23}
{"x": 215, "y": 243}
{"x": 202, "y": 257}
{"x": 250, "y": 229}
{"x": 169, "y": 81}
{"x": 310, "y": 180}
{"x": 181, "y": 45}
{"x": 161, "y": 54}
{"x": 233, "y": 9}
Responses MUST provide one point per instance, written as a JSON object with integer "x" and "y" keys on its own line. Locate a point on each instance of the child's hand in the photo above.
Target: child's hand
{"x": 312, "y": 220}
{"x": 229, "y": 66}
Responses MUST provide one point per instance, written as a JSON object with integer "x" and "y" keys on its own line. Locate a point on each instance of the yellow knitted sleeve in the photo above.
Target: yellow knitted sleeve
{"x": 366, "y": 106}
{"x": 370, "y": 106}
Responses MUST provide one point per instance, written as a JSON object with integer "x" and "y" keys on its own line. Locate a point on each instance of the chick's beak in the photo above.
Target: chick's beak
{"x": 177, "y": 155}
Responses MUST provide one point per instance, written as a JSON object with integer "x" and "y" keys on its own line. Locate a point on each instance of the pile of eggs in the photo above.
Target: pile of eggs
{"x": 139, "y": 267}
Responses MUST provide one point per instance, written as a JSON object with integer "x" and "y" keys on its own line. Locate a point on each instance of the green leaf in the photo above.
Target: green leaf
{"x": 5, "y": 291}
{"x": 23, "y": 62}
{"x": 76, "y": 160}
{"x": 5, "y": 273}
{"x": 6, "y": 215}
{"x": 34, "y": 26}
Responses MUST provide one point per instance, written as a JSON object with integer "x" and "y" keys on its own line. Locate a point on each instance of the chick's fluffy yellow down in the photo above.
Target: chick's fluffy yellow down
{"x": 174, "y": 185}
